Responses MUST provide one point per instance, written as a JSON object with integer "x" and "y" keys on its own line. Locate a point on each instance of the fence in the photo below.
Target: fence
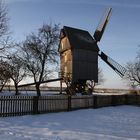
{"x": 23, "y": 105}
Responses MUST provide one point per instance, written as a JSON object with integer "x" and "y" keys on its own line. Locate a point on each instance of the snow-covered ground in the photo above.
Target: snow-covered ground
{"x": 110, "y": 123}
{"x": 28, "y": 93}
{"x": 44, "y": 93}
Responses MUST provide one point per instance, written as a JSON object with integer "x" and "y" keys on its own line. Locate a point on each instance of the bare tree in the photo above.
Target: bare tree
{"x": 4, "y": 73}
{"x": 3, "y": 19}
{"x": 40, "y": 53}
{"x": 91, "y": 84}
{"x": 4, "y": 26}
{"x": 16, "y": 71}
{"x": 133, "y": 71}
{"x": 5, "y": 38}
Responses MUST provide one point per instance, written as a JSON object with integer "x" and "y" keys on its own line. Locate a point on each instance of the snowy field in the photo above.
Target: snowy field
{"x": 28, "y": 93}
{"x": 44, "y": 93}
{"x": 110, "y": 123}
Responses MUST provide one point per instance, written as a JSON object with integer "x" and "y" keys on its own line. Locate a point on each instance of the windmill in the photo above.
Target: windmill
{"x": 79, "y": 53}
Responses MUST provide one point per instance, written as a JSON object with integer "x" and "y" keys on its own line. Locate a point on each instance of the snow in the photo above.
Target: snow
{"x": 44, "y": 93}
{"x": 110, "y": 123}
{"x": 28, "y": 93}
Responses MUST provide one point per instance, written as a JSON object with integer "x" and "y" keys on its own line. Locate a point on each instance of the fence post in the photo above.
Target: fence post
{"x": 1, "y": 106}
{"x": 95, "y": 101}
{"x": 126, "y": 99}
{"x": 113, "y": 97}
{"x": 137, "y": 101}
{"x": 35, "y": 104}
{"x": 69, "y": 103}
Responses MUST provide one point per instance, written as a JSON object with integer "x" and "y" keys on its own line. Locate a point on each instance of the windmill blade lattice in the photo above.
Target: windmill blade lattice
{"x": 113, "y": 64}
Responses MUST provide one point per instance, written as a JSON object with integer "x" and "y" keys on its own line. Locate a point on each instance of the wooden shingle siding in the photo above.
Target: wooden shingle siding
{"x": 85, "y": 65}
{"x": 64, "y": 45}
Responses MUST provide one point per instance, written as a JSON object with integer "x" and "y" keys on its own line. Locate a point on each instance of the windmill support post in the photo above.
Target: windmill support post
{"x": 60, "y": 86}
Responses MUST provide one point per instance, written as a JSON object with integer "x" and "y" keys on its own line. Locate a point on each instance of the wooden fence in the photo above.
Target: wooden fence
{"x": 23, "y": 105}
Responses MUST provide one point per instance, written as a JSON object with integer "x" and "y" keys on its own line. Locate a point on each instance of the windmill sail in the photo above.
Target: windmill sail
{"x": 101, "y": 27}
{"x": 113, "y": 64}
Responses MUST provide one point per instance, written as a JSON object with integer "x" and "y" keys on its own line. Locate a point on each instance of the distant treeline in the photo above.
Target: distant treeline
{"x": 46, "y": 88}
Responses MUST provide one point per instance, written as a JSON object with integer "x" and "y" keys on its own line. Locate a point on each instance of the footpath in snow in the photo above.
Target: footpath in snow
{"x": 110, "y": 123}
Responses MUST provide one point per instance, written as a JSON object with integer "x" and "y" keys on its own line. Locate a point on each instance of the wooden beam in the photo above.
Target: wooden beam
{"x": 47, "y": 81}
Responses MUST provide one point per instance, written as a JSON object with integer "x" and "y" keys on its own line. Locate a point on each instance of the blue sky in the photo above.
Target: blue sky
{"x": 121, "y": 37}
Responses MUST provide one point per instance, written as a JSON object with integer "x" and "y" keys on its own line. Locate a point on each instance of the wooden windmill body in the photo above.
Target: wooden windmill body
{"x": 79, "y": 53}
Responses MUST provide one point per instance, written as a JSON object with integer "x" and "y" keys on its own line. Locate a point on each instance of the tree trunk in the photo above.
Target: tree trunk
{"x": 16, "y": 88}
{"x": 38, "y": 89}
{"x": 91, "y": 86}
{"x": 2, "y": 86}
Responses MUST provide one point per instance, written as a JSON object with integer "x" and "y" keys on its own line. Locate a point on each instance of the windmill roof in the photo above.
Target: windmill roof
{"x": 80, "y": 39}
